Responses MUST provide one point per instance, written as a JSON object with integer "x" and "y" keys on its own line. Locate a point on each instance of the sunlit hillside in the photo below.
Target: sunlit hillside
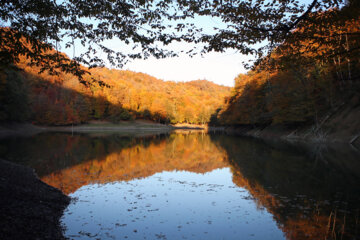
{"x": 303, "y": 81}
{"x": 112, "y": 95}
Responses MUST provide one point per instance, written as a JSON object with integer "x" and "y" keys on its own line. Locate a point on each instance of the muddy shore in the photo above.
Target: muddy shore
{"x": 30, "y": 209}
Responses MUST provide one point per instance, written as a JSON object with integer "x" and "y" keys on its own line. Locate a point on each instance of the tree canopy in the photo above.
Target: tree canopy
{"x": 258, "y": 27}
{"x": 34, "y": 27}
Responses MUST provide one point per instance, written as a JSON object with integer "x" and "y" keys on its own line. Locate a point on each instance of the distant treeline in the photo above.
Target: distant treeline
{"x": 114, "y": 95}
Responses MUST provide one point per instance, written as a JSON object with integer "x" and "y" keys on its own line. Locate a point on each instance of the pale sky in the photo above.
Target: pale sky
{"x": 220, "y": 68}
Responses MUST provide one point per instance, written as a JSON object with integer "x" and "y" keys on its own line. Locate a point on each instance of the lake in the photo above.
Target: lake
{"x": 194, "y": 185}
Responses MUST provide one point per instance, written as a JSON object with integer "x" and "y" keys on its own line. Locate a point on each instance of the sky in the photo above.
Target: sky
{"x": 220, "y": 68}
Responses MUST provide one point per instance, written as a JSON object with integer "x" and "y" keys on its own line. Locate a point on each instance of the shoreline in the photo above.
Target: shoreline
{"x": 306, "y": 134}
{"x": 327, "y": 132}
{"x": 31, "y": 209}
{"x": 136, "y": 128}
{"x": 341, "y": 125}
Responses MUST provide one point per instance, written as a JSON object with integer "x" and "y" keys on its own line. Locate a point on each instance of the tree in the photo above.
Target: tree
{"x": 13, "y": 96}
{"x": 204, "y": 115}
{"x": 36, "y": 29}
{"x": 258, "y": 27}
{"x": 251, "y": 26}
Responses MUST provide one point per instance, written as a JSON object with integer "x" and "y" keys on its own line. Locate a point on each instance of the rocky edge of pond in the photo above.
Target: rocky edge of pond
{"x": 30, "y": 209}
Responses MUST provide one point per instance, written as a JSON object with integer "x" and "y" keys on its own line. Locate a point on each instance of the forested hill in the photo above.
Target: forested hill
{"x": 114, "y": 95}
{"x": 306, "y": 81}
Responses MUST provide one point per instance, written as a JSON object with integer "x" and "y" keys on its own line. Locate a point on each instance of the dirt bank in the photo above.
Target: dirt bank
{"x": 18, "y": 129}
{"x": 340, "y": 125}
{"x": 29, "y": 208}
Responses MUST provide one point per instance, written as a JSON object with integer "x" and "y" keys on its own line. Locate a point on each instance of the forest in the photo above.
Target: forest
{"x": 128, "y": 173}
{"x": 302, "y": 80}
{"x": 114, "y": 95}
{"x": 307, "y": 63}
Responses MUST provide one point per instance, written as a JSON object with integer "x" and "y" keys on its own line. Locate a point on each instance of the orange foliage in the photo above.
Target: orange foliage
{"x": 302, "y": 81}
{"x": 61, "y": 99}
{"x": 178, "y": 152}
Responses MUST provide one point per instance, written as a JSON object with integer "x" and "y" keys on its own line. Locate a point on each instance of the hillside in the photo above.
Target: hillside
{"x": 301, "y": 89}
{"x": 114, "y": 95}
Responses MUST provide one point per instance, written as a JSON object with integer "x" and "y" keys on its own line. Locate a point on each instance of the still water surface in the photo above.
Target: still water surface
{"x": 196, "y": 186}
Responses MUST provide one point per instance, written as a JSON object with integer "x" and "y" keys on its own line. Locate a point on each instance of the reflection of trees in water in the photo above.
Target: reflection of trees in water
{"x": 69, "y": 162}
{"x": 52, "y": 152}
{"x": 313, "y": 193}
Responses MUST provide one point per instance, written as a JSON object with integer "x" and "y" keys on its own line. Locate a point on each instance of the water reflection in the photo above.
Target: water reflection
{"x": 169, "y": 205}
{"x": 313, "y": 192}
{"x": 196, "y": 186}
{"x": 69, "y": 162}
{"x": 145, "y": 157}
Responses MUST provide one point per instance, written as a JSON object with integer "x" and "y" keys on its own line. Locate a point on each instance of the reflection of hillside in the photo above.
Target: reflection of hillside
{"x": 312, "y": 193}
{"x": 145, "y": 158}
{"x": 310, "y": 197}
{"x": 51, "y": 152}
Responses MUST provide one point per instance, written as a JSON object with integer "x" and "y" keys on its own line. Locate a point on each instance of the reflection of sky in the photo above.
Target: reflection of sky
{"x": 169, "y": 205}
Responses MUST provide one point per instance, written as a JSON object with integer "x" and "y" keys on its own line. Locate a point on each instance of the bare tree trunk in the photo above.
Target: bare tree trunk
{"x": 336, "y": 70}
{"x": 341, "y": 75}
{"x": 348, "y": 58}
